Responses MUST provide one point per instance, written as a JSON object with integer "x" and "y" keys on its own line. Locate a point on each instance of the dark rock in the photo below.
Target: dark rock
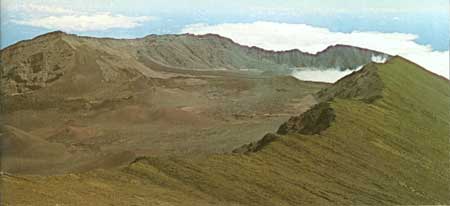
{"x": 256, "y": 146}
{"x": 311, "y": 122}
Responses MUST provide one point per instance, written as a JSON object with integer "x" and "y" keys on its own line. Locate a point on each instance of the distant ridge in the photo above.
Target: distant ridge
{"x": 39, "y": 65}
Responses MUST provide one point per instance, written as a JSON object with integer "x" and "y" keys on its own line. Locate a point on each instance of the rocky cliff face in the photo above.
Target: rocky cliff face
{"x": 34, "y": 64}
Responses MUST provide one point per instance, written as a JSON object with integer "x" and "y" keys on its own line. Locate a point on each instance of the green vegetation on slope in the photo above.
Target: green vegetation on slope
{"x": 393, "y": 150}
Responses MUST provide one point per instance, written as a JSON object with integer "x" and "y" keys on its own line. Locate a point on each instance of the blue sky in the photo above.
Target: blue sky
{"x": 426, "y": 22}
{"x": 427, "y": 19}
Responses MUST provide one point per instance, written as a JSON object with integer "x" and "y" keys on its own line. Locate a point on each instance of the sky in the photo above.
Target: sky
{"x": 415, "y": 29}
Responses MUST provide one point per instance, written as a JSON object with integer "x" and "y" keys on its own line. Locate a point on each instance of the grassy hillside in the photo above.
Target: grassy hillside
{"x": 393, "y": 150}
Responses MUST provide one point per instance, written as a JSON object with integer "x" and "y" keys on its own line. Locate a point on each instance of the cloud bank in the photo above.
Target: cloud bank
{"x": 329, "y": 76}
{"x": 283, "y": 36}
{"x": 58, "y": 18}
{"x": 96, "y": 22}
{"x": 315, "y": 75}
{"x": 43, "y": 9}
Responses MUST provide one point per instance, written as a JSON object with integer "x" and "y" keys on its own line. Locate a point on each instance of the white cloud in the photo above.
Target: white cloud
{"x": 44, "y": 9}
{"x": 95, "y": 22}
{"x": 329, "y": 76}
{"x": 282, "y": 36}
{"x": 58, "y": 18}
{"x": 379, "y": 59}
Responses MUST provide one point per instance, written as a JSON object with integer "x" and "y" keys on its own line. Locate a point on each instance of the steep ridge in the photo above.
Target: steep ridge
{"x": 364, "y": 84}
{"x": 393, "y": 150}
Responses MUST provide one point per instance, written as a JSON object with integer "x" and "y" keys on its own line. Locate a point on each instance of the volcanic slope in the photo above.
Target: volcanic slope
{"x": 47, "y": 59}
{"x": 99, "y": 103}
{"x": 212, "y": 51}
{"x": 390, "y": 150}
{"x": 109, "y": 100}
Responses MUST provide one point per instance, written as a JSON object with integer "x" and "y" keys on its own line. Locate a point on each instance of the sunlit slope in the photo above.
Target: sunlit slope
{"x": 390, "y": 150}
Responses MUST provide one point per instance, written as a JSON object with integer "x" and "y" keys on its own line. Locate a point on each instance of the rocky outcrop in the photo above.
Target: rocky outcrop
{"x": 33, "y": 64}
{"x": 256, "y": 146}
{"x": 363, "y": 85}
{"x": 311, "y": 122}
